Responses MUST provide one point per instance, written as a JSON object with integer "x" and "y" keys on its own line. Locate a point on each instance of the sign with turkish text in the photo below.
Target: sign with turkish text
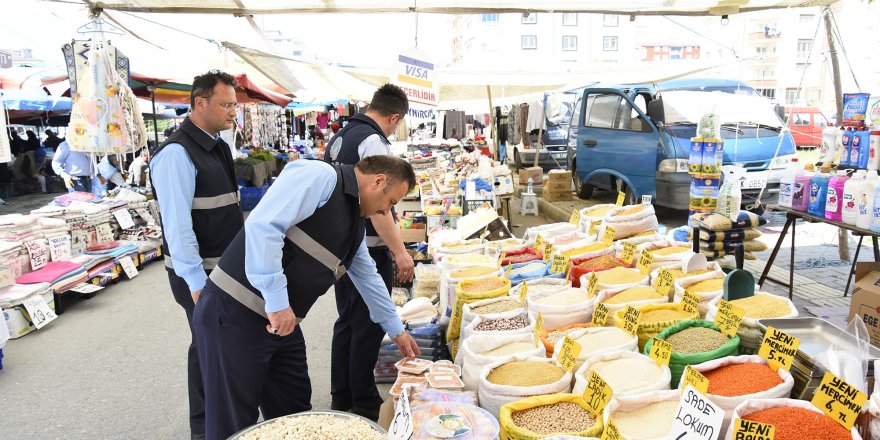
{"x": 416, "y": 74}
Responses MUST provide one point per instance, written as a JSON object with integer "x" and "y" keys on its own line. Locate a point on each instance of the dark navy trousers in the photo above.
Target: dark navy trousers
{"x": 356, "y": 342}
{"x": 246, "y": 369}
{"x": 183, "y": 296}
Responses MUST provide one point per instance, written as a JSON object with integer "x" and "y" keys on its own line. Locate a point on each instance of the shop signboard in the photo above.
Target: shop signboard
{"x": 416, "y": 74}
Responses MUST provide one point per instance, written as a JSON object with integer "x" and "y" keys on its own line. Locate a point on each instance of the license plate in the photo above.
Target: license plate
{"x": 559, "y": 155}
{"x": 754, "y": 180}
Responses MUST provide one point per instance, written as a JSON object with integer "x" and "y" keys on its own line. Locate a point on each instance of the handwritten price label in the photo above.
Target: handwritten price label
{"x": 402, "y": 425}
{"x": 104, "y": 233}
{"x": 608, "y": 235}
{"x": 631, "y": 318}
{"x": 560, "y": 264}
{"x": 646, "y": 259}
{"x": 597, "y": 394}
{"x": 539, "y": 243}
{"x": 38, "y": 253}
{"x": 753, "y": 430}
{"x": 646, "y": 200}
{"x": 628, "y": 253}
{"x": 839, "y": 400}
{"x": 548, "y": 251}
{"x": 779, "y": 349}
{"x": 621, "y": 197}
{"x": 123, "y": 217}
{"x": 594, "y": 226}
{"x": 690, "y": 303}
{"x": 538, "y": 328}
{"x": 661, "y": 352}
{"x": 592, "y": 285}
{"x": 729, "y": 317}
{"x": 575, "y": 217}
{"x": 695, "y": 379}
{"x": 39, "y": 311}
{"x": 664, "y": 281}
{"x": 129, "y": 267}
{"x": 568, "y": 354}
{"x": 59, "y": 248}
{"x": 524, "y": 293}
{"x": 611, "y": 432}
{"x": 600, "y": 315}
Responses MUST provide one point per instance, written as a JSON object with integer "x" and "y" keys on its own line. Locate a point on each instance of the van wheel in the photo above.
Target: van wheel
{"x": 584, "y": 191}
{"x": 517, "y": 161}
{"x": 629, "y": 197}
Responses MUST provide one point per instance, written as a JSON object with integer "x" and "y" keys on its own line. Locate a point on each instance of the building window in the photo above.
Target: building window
{"x": 767, "y": 93}
{"x": 609, "y": 44}
{"x": 530, "y": 18}
{"x": 791, "y": 96}
{"x": 569, "y": 42}
{"x": 609, "y": 20}
{"x": 490, "y": 18}
{"x": 569, "y": 19}
{"x": 803, "y": 48}
{"x": 529, "y": 42}
{"x": 807, "y": 19}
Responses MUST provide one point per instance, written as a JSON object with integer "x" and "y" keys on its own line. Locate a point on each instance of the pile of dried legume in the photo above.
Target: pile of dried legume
{"x": 315, "y": 427}
{"x": 800, "y": 424}
{"x": 471, "y": 272}
{"x": 652, "y": 421}
{"x": 602, "y": 262}
{"x": 519, "y": 258}
{"x": 627, "y": 374}
{"x": 554, "y": 418}
{"x": 481, "y": 285}
{"x": 662, "y": 315}
{"x": 556, "y": 335}
{"x": 502, "y": 324}
{"x": 741, "y": 379}
{"x": 497, "y": 307}
{"x": 696, "y": 340}
{"x": 531, "y": 267}
{"x": 619, "y": 275}
{"x": 525, "y": 374}
{"x": 511, "y": 348}
{"x": 763, "y": 306}
{"x": 637, "y": 293}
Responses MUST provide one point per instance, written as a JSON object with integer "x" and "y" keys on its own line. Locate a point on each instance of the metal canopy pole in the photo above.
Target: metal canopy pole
{"x": 152, "y": 90}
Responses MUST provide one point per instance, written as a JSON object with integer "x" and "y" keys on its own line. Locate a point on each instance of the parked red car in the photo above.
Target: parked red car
{"x": 806, "y": 125}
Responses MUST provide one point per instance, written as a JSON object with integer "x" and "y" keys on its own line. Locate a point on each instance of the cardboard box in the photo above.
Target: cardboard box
{"x": 551, "y": 196}
{"x": 558, "y": 186}
{"x": 866, "y": 298}
{"x": 503, "y": 185}
{"x": 559, "y": 177}
{"x": 17, "y": 320}
{"x": 413, "y": 235}
{"x": 386, "y": 414}
{"x": 536, "y": 173}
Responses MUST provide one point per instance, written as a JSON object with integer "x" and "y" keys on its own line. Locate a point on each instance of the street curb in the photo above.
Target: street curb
{"x": 553, "y": 212}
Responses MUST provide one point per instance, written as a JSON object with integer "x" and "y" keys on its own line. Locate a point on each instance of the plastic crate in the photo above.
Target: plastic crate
{"x": 251, "y": 195}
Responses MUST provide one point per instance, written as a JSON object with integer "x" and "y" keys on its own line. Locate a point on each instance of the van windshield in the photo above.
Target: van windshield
{"x": 683, "y": 107}
{"x": 559, "y": 108}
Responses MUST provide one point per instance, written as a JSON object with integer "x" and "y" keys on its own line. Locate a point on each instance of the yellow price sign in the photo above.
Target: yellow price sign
{"x": 611, "y": 432}
{"x": 568, "y": 354}
{"x": 600, "y": 315}
{"x": 729, "y": 317}
{"x": 501, "y": 258}
{"x": 778, "y": 348}
{"x": 646, "y": 259}
{"x": 548, "y": 250}
{"x": 560, "y": 264}
{"x": 592, "y": 285}
{"x": 597, "y": 394}
{"x": 524, "y": 293}
{"x": 608, "y": 235}
{"x": 753, "y": 430}
{"x": 664, "y": 281}
{"x": 539, "y": 243}
{"x": 661, "y": 352}
{"x": 628, "y": 253}
{"x": 509, "y": 268}
{"x": 695, "y": 379}
{"x": 690, "y": 302}
{"x": 594, "y": 226}
{"x": 575, "y": 217}
{"x": 538, "y": 328}
{"x": 839, "y": 400}
{"x": 631, "y": 317}
{"x": 621, "y": 196}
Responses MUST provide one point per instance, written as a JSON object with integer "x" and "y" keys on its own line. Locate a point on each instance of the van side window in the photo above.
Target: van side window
{"x": 612, "y": 111}
{"x": 819, "y": 120}
{"x": 801, "y": 119}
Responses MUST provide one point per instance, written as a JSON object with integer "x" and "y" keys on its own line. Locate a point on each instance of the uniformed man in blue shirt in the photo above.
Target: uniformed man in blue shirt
{"x": 303, "y": 236}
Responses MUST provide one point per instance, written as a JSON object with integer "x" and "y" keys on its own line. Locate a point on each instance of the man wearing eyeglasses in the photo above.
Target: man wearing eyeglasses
{"x": 193, "y": 180}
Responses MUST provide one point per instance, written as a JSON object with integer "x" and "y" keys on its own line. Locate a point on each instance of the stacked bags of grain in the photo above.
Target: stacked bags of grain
{"x": 721, "y": 235}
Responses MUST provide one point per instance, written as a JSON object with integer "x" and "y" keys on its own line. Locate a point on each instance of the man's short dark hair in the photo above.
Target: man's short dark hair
{"x": 394, "y": 168}
{"x": 389, "y": 100}
{"x": 203, "y": 85}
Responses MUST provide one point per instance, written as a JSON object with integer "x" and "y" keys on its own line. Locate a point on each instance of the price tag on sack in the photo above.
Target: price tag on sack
{"x": 595, "y": 225}
{"x": 575, "y": 217}
{"x": 646, "y": 259}
{"x": 621, "y": 196}
{"x": 663, "y": 282}
{"x": 538, "y": 328}
{"x": 778, "y": 349}
{"x": 524, "y": 293}
{"x": 696, "y": 417}
{"x": 548, "y": 252}
{"x": 597, "y": 394}
{"x": 39, "y": 254}
{"x": 690, "y": 302}
{"x": 129, "y": 267}
{"x": 402, "y": 425}
{"x": 695, "y": 379}
{"x": 608, "y": 235}
{"x": 839, "y": 400}
{"x": 661, "y": 352}
{"x": 729, "y": 318}
{"x": 87, "y": 288}
{"x": 568, "y": 354}
{"x": 560, "y": 264}
{"x": 38, "y": 310}
{"x": 600, "y": 315}
{"x": 123, "y": 217}
{"x": 747, "y": 429}
{"x": 145, "y": 215}
{"x": 539, "y": 243}
{"x": 59, "y": 248}
{"x": 611, "y": 432}
{"x": 631, "y": 317}
{"x": 104, "y": 233}
{"x": 628, "y": 253}
{"x": 646, "y": 200}
{"x": 509, "y": 269}
{"x": 592, "y": 285}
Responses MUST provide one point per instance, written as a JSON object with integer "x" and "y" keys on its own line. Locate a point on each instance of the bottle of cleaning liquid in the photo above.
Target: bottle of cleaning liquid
{"x": 800, "y": 199}
{"x": 874, "y": 148}
{"x": 849, "y": 208}
{"x": 875, "y": 217}
{"x": 829, "y": 144}
{"x": 819, "y": 191}
{"x": 845, "y": 145}
{"x": 786, "y": 183}
{"x": 863, "y": 139}
{"x": 834, "y": 196}
{"x": 865, "y": 200}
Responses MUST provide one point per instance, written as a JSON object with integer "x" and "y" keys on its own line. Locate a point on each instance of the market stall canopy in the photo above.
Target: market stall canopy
{"x": 634, "y": 7}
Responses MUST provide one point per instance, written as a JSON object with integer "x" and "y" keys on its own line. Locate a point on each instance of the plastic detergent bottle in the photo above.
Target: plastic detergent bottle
{"x": 834, "y": 196}
{"x": 800, "y": 199}
{"x": 845, "y": 147}
{"x": 819, "y": 191}
{"x": 875, "y": 216}
{"x": 862, "y": 138}
{"x": 849, "y": 208}
{"x": 874, "y": 149}
{"x": 828, "y": 149}
{"x": 865, "y": 200}
{"x": 786, "y": 183}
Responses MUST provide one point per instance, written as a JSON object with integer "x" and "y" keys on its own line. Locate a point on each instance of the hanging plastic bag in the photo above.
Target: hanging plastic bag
{"x": 848, "y": 358}
{"x": 730, "y": 194}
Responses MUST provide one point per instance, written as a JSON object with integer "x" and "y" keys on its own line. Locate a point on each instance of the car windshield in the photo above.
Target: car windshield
{"x": 559, "y": 107}
{"x": 744, "y": 108}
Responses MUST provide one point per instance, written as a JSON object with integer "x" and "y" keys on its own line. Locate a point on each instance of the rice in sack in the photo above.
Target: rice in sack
{"x": 707, "y": 287}
{"x": 556, "y": 415}
{"x": 563, "y": 307}
{"x": 789, "y": 417}
{"x": 644, "y": 237}
{"x": 481, "y": 350}
{"x": 595, "y": 340}
{"x": 714, "y": 221}
{"x": 474, "y": 246}
{"x": 735, "y": 379}
{"x": 644, "y": 416}
{"x": 595, "y": 213}
{"x": 550, "y": 336}
{"x": 568, "y": 239}
{"x": 619, "y": 298}
{"x": 529, "y": 270}
{"x": 619, "y": 278}
{"x": 548, "y": 231}
{"x": 626, "y": 372}
{"x": 630, "y": 220}
{"x": 517, "y": 377}
{"x": 654, "y": 319}
{"x": 539, "y": 285}
{"x": 760, "y": 306}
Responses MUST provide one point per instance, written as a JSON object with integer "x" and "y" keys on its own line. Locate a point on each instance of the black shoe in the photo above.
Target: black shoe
{"x": 372, "y": 414}
{"x": 197, "y": 436}
{"x": 339, "y": 405}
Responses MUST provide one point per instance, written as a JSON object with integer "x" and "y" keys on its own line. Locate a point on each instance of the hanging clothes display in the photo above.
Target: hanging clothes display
{"x": 536, "y": 116}
{"x": 501, "y": 125}
{"x": 5, "y": 150}
{"x": 454, "y": 125}
{"x": 512, "y": 122}
{"x": 264, "y": 126}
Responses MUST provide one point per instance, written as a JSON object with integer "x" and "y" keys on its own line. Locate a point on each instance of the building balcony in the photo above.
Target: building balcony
{"x": 763, "y": 36}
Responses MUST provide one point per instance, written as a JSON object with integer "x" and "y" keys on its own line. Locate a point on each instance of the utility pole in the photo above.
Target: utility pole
{"x": 842, "y": 239}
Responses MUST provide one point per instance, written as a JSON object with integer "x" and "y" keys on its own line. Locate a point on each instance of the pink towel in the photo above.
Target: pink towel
{"x": 49, "y": 273}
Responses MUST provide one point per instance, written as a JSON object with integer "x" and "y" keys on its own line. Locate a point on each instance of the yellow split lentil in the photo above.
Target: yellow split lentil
{"x": 637, "y": 293}
{"x": 712, "y": 285}
{"x": 763, "y": 306}
{"x": 671, "y": 250}
{"x": 679, "y": 273}
{"x": 662, "y": 315}
{"x": 472, "y": 272}
{"x": 619, "y": 275}
{"x": 482, "y": 285}
{"x": 525, "y": 374}
{"x": 635, "y": 209}
{"x": 599, "y": 212}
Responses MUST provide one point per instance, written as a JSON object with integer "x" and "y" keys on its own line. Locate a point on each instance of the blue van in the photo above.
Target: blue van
{"x": 636, "y": 138}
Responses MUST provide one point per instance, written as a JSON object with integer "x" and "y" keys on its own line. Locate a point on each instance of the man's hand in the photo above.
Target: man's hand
{"x": 405, "y": 267}
{"x": 407, "y": 345}
{"x": 196, "y": 296}
{"x": 282, "y": 322}
{"x": 102, "y": 180}
{"x": 68, "y": 181}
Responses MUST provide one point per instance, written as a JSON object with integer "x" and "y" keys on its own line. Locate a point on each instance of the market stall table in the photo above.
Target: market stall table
{"x": 257, "y": 173}
{"x": 791, "y": 217}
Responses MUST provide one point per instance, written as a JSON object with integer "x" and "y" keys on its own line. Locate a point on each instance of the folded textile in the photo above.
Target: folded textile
{"x": 51, "y": 272}
{"x": 74, "y": 197}
{"x": 730, "y": 246}
{"x": 15, "y": 294}
{"x": 49, "y": 223}
{"x": 17, "y": 220}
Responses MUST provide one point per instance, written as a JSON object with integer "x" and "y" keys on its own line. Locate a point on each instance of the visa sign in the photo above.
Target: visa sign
{"x": 415, "y": 74}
